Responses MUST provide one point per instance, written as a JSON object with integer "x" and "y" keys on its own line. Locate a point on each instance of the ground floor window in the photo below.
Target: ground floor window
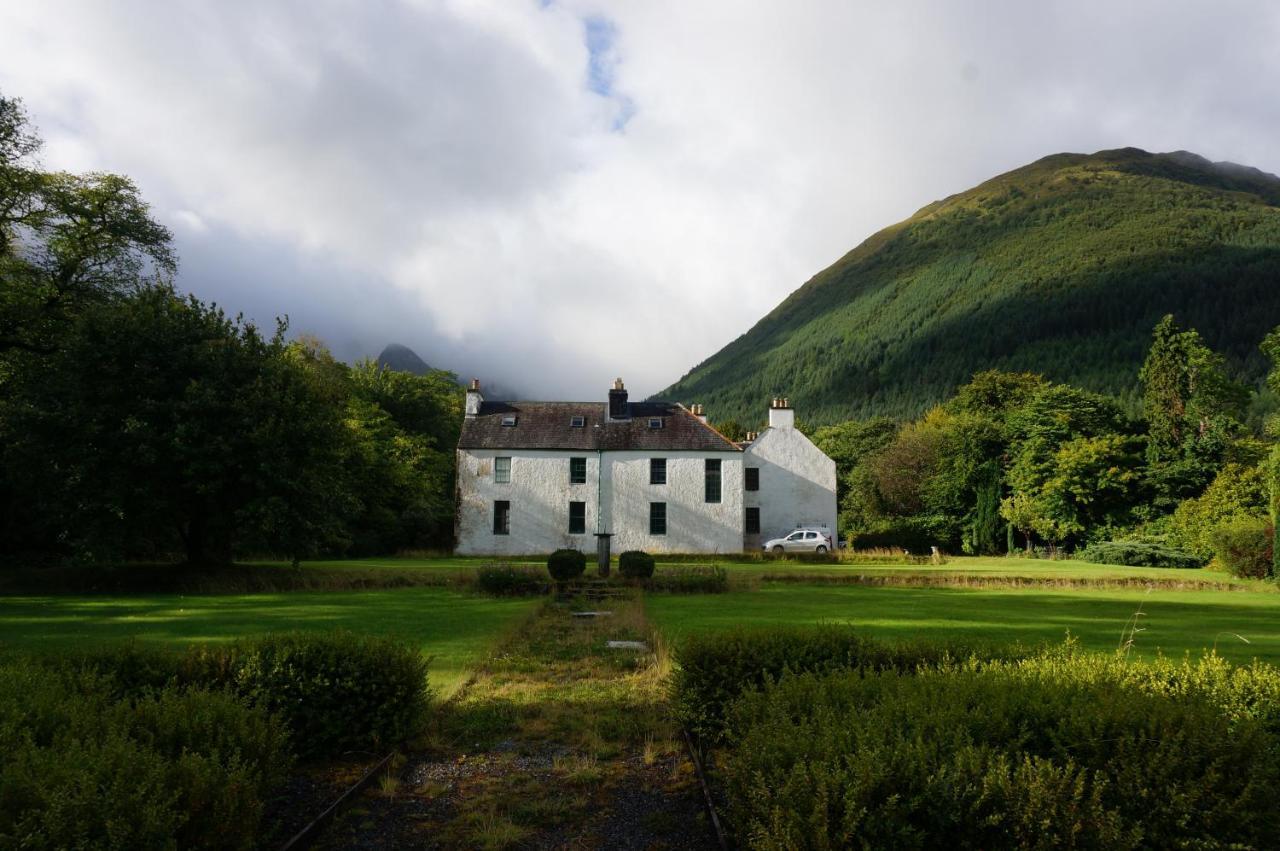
{"x": 753, "y": 521}
{"x": 577, "y": 518}
{"x": 502, "y": 517}
{"x": 657, "y": 518}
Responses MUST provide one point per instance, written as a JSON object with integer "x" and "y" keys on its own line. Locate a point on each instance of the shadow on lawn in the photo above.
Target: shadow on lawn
{"x": 1173, "y": 622}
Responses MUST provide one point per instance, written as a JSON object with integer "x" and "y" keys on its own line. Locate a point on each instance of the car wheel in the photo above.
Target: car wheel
{"x": 820, "y": 549}
{"x": 778, "y": 548}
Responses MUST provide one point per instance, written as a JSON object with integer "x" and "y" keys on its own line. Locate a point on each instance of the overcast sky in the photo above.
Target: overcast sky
{"x": 549, "y": 194}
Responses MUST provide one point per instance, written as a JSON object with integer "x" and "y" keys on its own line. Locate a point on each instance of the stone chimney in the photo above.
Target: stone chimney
{"x": 618, "y": 408}
{"x": 474, "y": 399}
{"x": 781, "y": 414}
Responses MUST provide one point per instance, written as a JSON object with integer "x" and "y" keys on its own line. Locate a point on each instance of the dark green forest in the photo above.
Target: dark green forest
{"x": 1014, "y": 461}
{"x": 140, "y": 423}
{"x": 1060, "y": 268}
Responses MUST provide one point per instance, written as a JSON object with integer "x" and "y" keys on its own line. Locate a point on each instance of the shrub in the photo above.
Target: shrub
{"x": 1061, "y": 752}
{"x": 564, "y": 565}
{"x": 1244, "y": 547}
{"x": 170, "y": 768}
{"x": 337, "y": 691}
{"x": 714, "y": 669}
{"x": 1237, "y": 492}
{"x": 635, "y": 564}
{"x": 505, "y": 580}
{"x": 710, "y": 579}
{"x": 1138, "y": 554}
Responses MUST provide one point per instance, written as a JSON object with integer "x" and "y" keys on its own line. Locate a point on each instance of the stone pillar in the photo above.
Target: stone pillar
{"x": 602, "y": 553}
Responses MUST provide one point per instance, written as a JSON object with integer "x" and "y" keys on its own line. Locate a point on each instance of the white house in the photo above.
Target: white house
{"x": 652, "y": 476}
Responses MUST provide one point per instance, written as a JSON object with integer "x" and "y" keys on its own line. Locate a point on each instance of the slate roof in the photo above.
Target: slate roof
{"x": 545, "y": 425}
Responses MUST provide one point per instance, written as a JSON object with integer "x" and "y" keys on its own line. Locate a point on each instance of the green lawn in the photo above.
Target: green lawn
{"x": 452, "y": 627}
{"x": 1000, "y": 567}
{"x": 1173, "y": 621}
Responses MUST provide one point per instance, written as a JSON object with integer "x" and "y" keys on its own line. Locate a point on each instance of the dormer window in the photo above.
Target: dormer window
{"x": 509, "y": 422}
{"x": 577, "y": 422}
{"x": 655, "y": 422}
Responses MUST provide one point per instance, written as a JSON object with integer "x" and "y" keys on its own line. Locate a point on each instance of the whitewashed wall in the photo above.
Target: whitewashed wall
{"x": 693, "y": 525}
{"x": 797, "y": 484}
{"x": 539, "y": 493}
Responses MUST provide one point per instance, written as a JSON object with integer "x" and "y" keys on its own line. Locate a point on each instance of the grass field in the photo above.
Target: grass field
{"x": 454, "y": 628}
{"x": 1172, "y": 621}
{"x": 747, "y": 566}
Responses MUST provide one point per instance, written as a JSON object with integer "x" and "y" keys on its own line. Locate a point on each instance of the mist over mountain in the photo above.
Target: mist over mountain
{"x": 1061, "y": 267}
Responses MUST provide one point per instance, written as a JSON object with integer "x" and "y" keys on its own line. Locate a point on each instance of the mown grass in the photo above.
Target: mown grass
{"x": 1170, "y": 621}
{"x": 453, "y": 628}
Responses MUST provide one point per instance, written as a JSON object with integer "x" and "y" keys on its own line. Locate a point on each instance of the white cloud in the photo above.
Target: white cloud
{"x": 453, "y": 175}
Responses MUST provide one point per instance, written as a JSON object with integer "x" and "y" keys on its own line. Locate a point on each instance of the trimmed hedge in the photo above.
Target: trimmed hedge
{"x": 1244, "y": 547}
{"x": 1064, "y": 750}
{"x": 1138, "y": 554}
{"x": 337, "y": 691}
{"x": 506, "y": 580}
{"x": 566, "y": 565}
{"x": 84, "y": 767}
{"x": 635, "y": 564}
{"x": 714, "y": 668}
{"x": 711, "y": 579}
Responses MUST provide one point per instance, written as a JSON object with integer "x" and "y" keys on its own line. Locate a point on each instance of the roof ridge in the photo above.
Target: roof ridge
{"x": 707, "y": 425}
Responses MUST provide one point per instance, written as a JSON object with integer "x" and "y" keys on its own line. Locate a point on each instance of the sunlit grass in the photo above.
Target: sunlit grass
{"x": 452, "y": 627}
{"x": 1173, "y": 621}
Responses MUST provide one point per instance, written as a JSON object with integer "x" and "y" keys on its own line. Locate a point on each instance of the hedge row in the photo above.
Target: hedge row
{"x": 170, "y": 768}
{"x": 839, "y": 741}
{"x": 715, "y": 668}
{"x": 1001, "y": 756}
{"x": 335, "y": 691}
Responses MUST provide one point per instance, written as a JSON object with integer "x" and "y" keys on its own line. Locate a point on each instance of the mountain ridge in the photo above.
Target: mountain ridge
{"x": 1061, "y": 266}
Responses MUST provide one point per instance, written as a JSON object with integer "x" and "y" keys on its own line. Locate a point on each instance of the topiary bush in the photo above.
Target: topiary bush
{"x": 713, "y": 669}
{"x": 173, "y": 767}
{"x": 337, "y": 691}
{"x": 505, "y": 580}
{"x": 565, "y": 565}
{"x": 1138, "y": 554}
{"x": 635, "y": 564}
{"x": 1244, "y": 547}
{"x": 1059, "y": 751}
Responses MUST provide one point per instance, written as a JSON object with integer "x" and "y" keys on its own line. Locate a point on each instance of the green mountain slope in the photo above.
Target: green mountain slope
{"x": 1062, "y": 267}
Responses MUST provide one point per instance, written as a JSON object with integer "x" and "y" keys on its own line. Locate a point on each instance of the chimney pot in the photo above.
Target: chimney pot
{"x": 617, "y": 384}
{"x": 475, "y": 384}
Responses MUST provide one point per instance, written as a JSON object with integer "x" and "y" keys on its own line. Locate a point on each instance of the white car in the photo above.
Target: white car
{"x": 800, "y": 541}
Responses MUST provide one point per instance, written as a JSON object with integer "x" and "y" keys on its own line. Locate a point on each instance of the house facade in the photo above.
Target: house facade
{"x": 654, "y": 476}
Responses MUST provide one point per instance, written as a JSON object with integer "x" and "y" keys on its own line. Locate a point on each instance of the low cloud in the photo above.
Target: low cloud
{"x": 551, "y": 194}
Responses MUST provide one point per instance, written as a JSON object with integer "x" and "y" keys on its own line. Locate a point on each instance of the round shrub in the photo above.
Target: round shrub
{"x": 1244, "y": 547}
{"x": 564, "y": 565}
{"x": 635, "y": 564}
